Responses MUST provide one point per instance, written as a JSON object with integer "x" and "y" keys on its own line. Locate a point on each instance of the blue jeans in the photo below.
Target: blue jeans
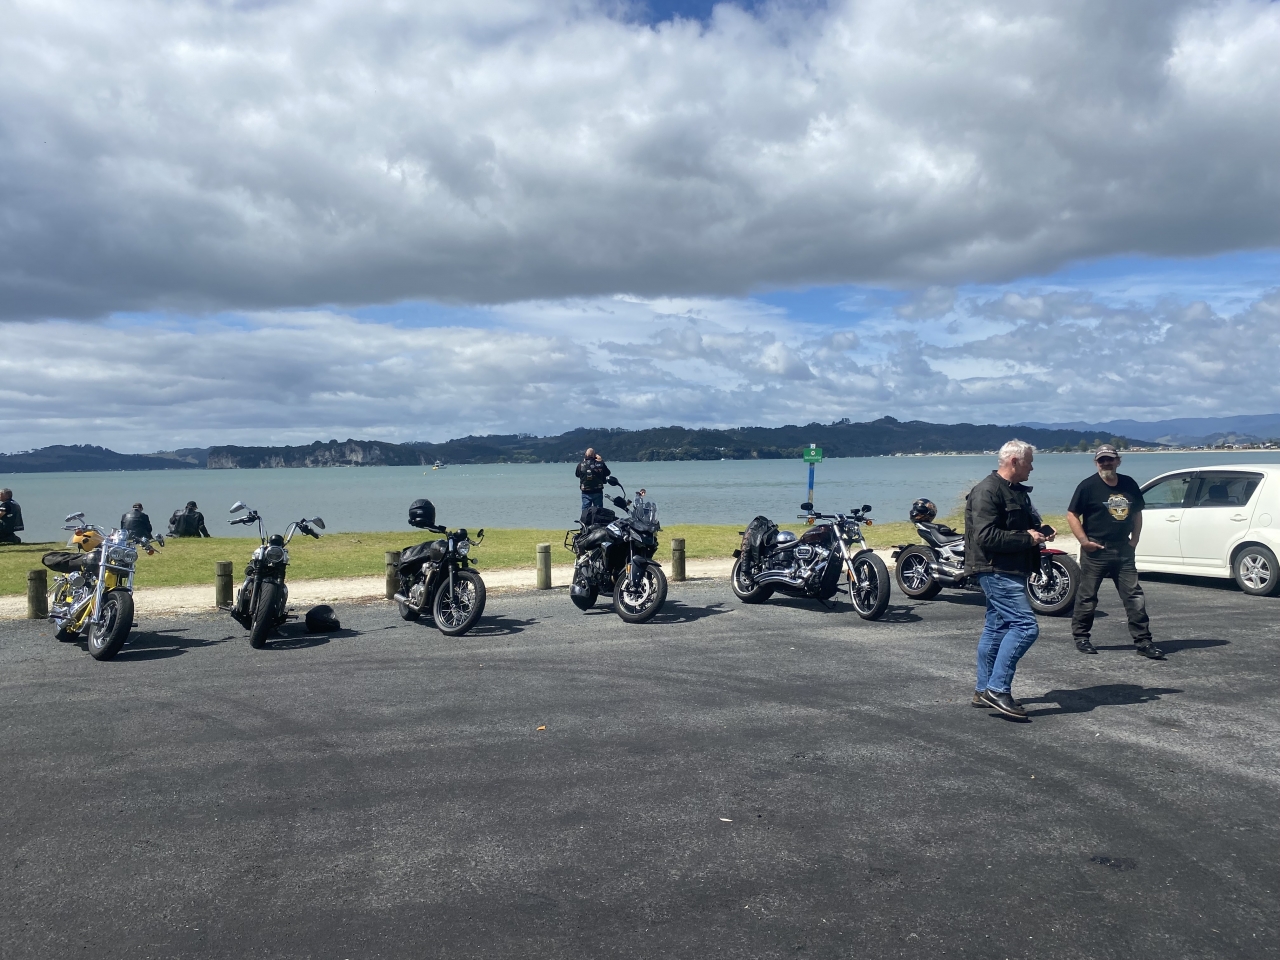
{"x": 1010, "y": 631}
{"x": 592, "y": 498}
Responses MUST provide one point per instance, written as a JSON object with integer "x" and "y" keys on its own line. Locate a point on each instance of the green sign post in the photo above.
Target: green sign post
{"x": 812, "y": 456}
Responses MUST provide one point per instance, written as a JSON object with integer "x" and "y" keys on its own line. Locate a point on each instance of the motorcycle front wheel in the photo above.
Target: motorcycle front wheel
{"x": 115, "y": 620}
{"x": 869, "y": 586}
{"x": 636, "y": 604}
{"x": 745, "y": 588}
{"x": 264, "y": 615}
{"x": 457, "y": 609}
{"x": 913, "y": 576}
{"x": 1056, "y": 594}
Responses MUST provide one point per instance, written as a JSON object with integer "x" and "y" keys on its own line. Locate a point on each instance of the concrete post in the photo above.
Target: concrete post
{"x": 393, "y": 573}
{"x": 543, "y": 556}
{"x": 38, "y": 595}
{"x": 222, "y": 583}
{"x": 677, "y": 558}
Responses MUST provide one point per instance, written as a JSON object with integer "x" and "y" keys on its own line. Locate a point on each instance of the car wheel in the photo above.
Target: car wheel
{"x": 1256, "y": 571}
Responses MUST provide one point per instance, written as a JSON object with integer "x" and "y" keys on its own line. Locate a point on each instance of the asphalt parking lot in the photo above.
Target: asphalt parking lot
{"x": 723, "y": 782}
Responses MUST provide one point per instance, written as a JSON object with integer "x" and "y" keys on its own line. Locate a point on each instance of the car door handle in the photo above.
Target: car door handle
{"x": 1238, "y": 517}
{"x": 1172, "y": 519}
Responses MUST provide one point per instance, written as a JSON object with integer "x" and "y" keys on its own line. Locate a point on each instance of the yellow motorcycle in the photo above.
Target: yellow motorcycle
{"x": 93, "y": 592}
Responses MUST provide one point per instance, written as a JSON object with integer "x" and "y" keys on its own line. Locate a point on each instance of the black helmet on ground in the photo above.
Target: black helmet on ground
{"x": 422, "y": 514}
{"x": 322, "y": 619}
{"x": 923, "y": 511}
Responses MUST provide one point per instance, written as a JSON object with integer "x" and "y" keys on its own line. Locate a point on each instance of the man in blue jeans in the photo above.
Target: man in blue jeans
{"x": 1002, "y": 537}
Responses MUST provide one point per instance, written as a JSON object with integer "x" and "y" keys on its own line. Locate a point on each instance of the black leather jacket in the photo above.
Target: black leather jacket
{"x": 11, "y": 521}
{"x": 997, "y": 516}
{"x": 137, "y": 523}
{"x": 593, "y": 474}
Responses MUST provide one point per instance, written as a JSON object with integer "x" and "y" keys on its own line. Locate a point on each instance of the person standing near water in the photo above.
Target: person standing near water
{"x": 592, "y": 473}
{"x": 1002, "y": 547}
{"x": 10, "y": 517}
{"x": 1105, "y": 514}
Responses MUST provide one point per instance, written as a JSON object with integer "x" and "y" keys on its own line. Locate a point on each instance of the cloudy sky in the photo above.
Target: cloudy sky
{"x": 277, "y": 221}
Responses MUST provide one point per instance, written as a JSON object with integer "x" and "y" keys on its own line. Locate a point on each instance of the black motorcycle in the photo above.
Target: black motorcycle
{"x": 262, "y": 600}
{"x": 814, "y": 563}
{"x": 615, "y": 554}
{"x": 436, "y": 576}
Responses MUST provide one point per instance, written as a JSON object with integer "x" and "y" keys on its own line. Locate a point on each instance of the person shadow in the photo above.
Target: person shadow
{"x": 1087, "y": 699}
{"x": 1173, "y": 646}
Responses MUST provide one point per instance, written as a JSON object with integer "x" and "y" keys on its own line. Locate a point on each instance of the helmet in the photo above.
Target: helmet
{"x": 86, "y": 539}
{"x": 422, "y": 513}
{"x": 923, "y": 511}
{"x": 322, "y": 619}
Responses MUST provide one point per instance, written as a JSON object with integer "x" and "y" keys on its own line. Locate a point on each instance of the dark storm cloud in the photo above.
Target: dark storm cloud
{"x": 205, "y": 156}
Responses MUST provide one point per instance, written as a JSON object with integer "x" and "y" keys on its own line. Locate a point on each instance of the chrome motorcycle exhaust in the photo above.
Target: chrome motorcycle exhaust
{"x": 401, "y": 598}
{"x": 946, "y": 574}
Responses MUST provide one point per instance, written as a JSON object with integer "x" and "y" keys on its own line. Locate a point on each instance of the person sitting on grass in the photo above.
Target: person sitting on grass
{"x": 188, "y": 522}
{"x": 10, "y": 517}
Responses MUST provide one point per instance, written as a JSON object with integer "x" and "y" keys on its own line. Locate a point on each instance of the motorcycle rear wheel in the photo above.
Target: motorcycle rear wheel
{"x": 114, "y": 623}
{"x": 1052, "y": 598}
{"x": 912, "y": 573}
{"x": 637, "y": 606}
{"x": 869, "y": 586}
{"x": 746, "y": 589}
{"x": 458, "y": 610}
{"x": 264, "y": 616}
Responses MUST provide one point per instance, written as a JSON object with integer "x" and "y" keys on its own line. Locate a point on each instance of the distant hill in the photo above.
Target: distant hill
{"x": 844, "y": 438}
{"x": 1183, "y": 431}
{"x": 80, "y": 458}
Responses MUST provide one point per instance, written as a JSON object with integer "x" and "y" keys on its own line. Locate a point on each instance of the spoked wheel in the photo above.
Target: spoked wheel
{"x": 869, "y": 586}
{"x": 1056, "y": 593}
{"x": 745, "y": 588}
{"x": 114, "y": 623}
{"x": 638, "y": 603}
{"x": 457, "y": 608}
{"x": 913, "y": 576}
{"x": 264, "y": 615}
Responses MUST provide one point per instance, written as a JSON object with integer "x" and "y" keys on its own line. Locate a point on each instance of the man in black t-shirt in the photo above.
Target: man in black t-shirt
{"x": 1105, "y": 514}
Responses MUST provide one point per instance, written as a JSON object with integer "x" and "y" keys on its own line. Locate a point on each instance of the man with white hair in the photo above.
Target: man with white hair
{"x": 1002, "y": 537}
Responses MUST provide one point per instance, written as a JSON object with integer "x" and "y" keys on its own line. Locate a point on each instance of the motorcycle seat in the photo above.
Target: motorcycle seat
{"x": 938, "y": 534}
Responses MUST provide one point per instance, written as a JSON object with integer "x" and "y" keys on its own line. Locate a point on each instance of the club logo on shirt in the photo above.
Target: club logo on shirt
{"x": 1118, "y": 506}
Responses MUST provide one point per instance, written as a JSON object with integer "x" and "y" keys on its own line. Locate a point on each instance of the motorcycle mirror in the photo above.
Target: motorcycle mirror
{"x": 318, "y": 522}
{"x": 238, "y": 506}
{"x": 480, "y": 533}
{"x": 74, "y": 516}
{"x": 806, "y": 506}
{"x": 866, "y": 507}
{"x": 620, "y": 503}
{"x": 613, "y": 482}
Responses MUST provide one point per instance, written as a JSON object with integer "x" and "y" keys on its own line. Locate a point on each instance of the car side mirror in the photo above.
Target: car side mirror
{"x": 316, "y": 521}
{"x": 866, "y": 507}
{"x": 613, "y": 482}
{"x": 806, "y": 506}
{"x": 238, "y": 506}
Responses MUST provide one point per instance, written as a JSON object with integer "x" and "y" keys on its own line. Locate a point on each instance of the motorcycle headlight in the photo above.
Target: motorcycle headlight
{"x": 274, "y": 554}
{"x": 463, "y": 548}
{"x": 123, "y": 556}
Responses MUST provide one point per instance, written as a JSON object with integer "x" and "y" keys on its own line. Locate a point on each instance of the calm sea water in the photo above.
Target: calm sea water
{"x": 546, "y": 495}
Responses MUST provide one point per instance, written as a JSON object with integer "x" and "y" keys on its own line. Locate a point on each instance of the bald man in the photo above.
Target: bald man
{"x": 592, "y": 472}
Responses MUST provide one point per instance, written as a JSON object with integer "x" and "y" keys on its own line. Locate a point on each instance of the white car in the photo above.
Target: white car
{"x": 1220, "y": 521}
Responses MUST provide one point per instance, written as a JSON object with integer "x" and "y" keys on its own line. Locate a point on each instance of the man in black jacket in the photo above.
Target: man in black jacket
{"x": 136, "y": 522}
{"x": 1002, "y": 537}
{"x": 592, "y": 472}
{"x": 188, "y": 522}
{"x": 10, "y": 517}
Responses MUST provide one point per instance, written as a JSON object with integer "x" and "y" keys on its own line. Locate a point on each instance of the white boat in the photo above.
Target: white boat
{"x": 438, "y": 466}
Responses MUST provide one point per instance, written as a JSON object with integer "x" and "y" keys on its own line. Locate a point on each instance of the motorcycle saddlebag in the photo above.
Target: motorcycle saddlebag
{"x": 762, "y": 536}
{"x": 411, "y": 558}
{"x": 594, "y": 516}
{"x": 65, "y": 561}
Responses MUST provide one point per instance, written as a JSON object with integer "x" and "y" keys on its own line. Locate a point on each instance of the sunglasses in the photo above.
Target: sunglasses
{"x": 1108, "y": 460}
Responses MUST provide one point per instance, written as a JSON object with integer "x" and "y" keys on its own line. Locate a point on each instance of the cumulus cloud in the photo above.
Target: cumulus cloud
{"x": 215, "y": 155}
{"x": 292, "y": 377}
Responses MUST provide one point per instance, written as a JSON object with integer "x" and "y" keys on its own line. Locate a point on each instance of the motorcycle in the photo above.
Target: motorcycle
{"x": 436, "y": 576}
{"x": 814, "y": 563}
{"x": 261, "y": 602}
{"x": 924, "y": 569}
{"x": 616, "y": 554}
{"x": 94, "y": 587}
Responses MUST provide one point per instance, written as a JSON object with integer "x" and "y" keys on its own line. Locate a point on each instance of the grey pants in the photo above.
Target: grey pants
{"x": 1114, "y": 563}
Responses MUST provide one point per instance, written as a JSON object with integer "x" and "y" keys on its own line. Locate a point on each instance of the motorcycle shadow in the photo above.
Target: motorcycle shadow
{"x": 295, "y": 636}
{"x": 144, "y": 645}
{"x": 900, "y": 614}
{"x": 675, "y": 612}
{"x": 497, "y": 626}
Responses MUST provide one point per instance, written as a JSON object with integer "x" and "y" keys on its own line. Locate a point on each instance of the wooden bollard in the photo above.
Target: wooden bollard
{"x": 38, "y": 595}
{"x": 393, "y": 573}
{"x": 222, "y": 583}
{"x": 543, "y": 555}
{"x": 677, "y": 558}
